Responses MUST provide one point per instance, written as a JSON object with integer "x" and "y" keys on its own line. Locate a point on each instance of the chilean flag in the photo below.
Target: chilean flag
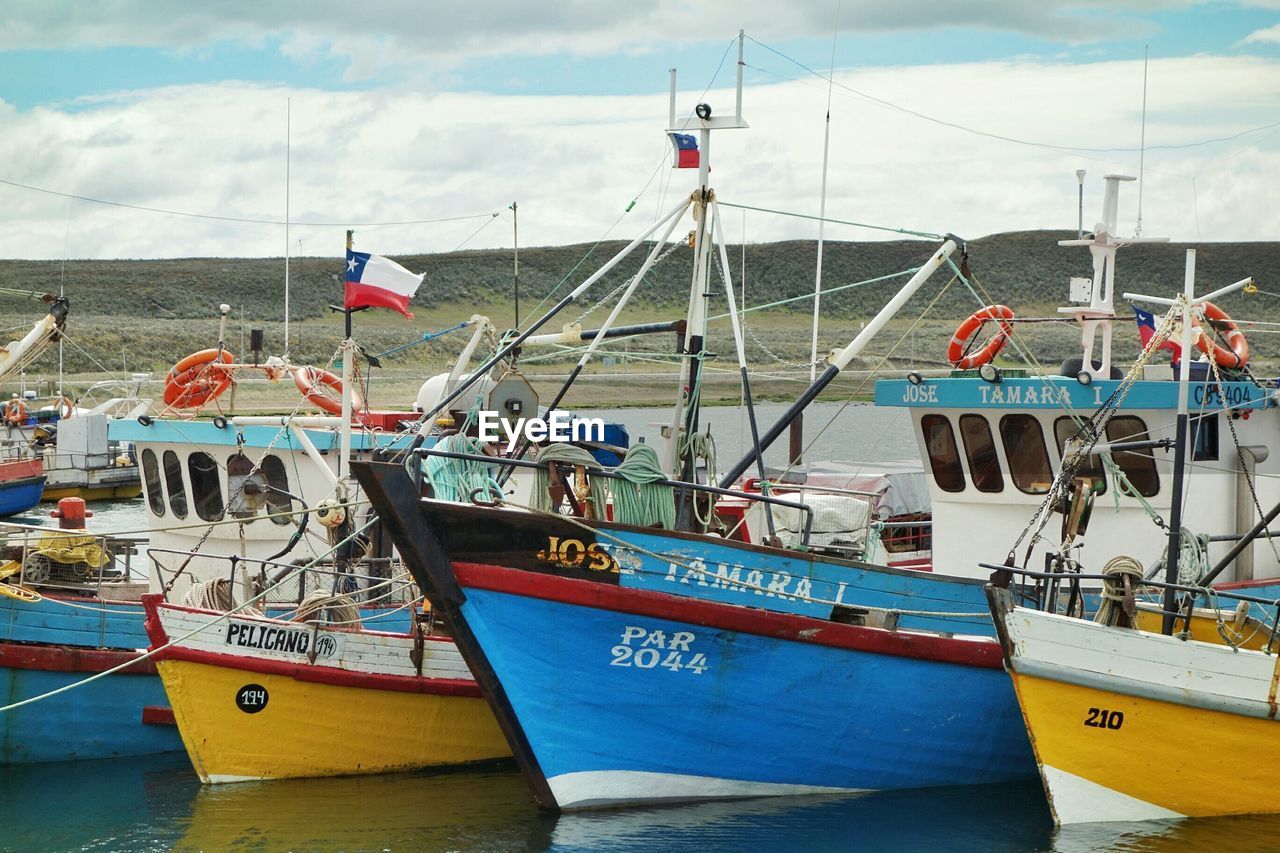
{"x": 686, "y": 150}
{"x": 374, "y": 281}
{"x": 1147, "y": 329}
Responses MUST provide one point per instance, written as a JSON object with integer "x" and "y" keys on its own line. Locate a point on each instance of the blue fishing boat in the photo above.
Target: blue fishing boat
{"x": 21, "y": 485}
{"x": 636, "y": 650}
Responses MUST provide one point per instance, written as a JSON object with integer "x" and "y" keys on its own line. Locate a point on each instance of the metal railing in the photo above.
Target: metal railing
{"x": 290, "y": 583}
{"x": 68, "y": 559}
{"x": 501, "y": 462}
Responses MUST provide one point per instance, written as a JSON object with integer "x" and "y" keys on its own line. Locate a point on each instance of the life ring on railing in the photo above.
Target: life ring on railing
{"x": 1233, "y": 356}
{"x": 65, "y": 407}
{"x": 956, "y": 349}
{"x": 192, "y": 382}
{"x": 324, "y": 390}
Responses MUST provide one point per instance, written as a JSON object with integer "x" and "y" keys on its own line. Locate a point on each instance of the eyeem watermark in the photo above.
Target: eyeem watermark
{"x": 493, "y": 427}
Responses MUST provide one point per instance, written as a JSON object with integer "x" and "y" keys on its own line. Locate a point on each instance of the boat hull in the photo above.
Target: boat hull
{"x": 630, "y": 697}
{"x": 1130, "y": 726}
{"x": 311, "y": 728}
{"x": 257, "y": 698}
{"x": 56, "y": 642}
{"x": 20, "y": 495}
{"x": 112, "y": 717}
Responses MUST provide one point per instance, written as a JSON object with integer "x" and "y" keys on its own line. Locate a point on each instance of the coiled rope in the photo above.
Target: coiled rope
{"x": 1122, "y": 572}
{"x": 640, "y": 498}
{"x": 456, "y": 480}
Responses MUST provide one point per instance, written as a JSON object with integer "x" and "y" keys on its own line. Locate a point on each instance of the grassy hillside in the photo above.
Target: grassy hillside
{"x": 145, "y": 314}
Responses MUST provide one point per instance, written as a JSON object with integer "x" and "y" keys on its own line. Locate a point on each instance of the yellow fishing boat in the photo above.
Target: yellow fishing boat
{"x": 260, "y": 698}
{"x": 1131, "y": 724}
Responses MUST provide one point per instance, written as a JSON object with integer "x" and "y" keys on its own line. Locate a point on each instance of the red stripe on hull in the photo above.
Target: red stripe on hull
{"x": 982, "y": 652}
{"x": 70, "y": 659}
{"x": 155, "y": 715}
{"x": 327, "y": 675}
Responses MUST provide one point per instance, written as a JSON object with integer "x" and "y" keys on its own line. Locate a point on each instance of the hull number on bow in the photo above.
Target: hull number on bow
{"x": 643, "y": 648}
{"x": 1101, "y": 718}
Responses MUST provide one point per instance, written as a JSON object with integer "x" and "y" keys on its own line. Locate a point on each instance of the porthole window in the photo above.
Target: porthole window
{"x": 205, "y": 488}
{"x": 980, "y": 448}
{"x": 151, "y": 473}
{"x": 173, "y": 481}
{"x": 944, "y": 458}
{"x": 1028, "y": 457}
{"x": 1139, "y": 466}
{"x": 1090, "y": 468}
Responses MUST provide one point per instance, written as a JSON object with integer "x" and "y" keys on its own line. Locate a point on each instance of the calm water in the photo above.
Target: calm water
{"x": 157, "y": 803}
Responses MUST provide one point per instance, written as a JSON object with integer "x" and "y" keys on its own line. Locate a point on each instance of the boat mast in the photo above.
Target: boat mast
{"x": 288, "y": 126}
{"x": 684, "y": 417}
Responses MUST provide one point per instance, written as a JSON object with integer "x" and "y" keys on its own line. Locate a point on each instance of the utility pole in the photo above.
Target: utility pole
{"x": 515, "y": 245}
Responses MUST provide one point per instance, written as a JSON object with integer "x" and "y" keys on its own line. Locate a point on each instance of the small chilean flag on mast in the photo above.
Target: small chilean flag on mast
{"x": 373, "y": 281}
{"x": 686, "y": 150}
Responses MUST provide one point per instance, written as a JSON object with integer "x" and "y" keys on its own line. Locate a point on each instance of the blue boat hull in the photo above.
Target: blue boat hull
{"x": 620, "y": 705}
{"x": 20, "y": 495}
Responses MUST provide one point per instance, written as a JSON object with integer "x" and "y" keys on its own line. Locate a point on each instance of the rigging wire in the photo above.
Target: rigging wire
{"x": 245, "y": 219}
{"x": 1070, "y": 149}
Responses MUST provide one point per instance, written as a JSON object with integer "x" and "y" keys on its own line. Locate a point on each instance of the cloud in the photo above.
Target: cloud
{"x": 400, "y": 32}
{"x": 1270, "y": 35}
{"x": 574, "y": 164}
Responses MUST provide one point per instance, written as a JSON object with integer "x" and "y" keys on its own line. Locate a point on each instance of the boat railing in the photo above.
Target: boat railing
{"x": 70, "y": 559}
{"x": 366, "y": 581}
{"x": 1063, "y": 592}
{"x": 679, "y": 485}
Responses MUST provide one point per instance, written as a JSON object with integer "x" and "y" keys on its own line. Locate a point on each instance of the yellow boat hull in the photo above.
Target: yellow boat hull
{"x": 306, "y": 728}
{"x": 1180, "y": 760}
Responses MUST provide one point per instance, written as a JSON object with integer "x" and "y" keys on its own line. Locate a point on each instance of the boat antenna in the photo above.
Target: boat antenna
{"x": 822, "y": 204}
{"x": 1142, "y": 144}
{"x": 288, "y": 127}
{"x": 515, "y": 261}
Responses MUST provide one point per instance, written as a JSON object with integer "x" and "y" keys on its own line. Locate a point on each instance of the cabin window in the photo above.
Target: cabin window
{"x": 1028, "y": 457}
{"x": 173, "y": 481}
{"x": 151, "y": 471}
{"x": 1204, "y": 438}
{"x": 278, "y": 481}
{"x": 944, "y": 459}
{"x": 205, "y": 491}
{"x": 245, "y": 492}
{"x": 1065, "y": 429}
{"x": 980, "y": 447}
{"x": 1139, "y": 466}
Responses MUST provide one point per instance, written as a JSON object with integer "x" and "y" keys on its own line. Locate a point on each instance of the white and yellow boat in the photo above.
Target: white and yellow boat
{"x": 1130, "y": 724}
{"x": 260, "y": 698}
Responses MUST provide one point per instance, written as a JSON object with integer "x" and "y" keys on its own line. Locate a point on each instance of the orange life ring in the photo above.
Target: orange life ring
{"x": 956, "y": 349}
{"x": 191, "y": 383}
{"x": 1234, "y": 357}
{"x": 324, "y": 390}
{"x": 66, "y": 408}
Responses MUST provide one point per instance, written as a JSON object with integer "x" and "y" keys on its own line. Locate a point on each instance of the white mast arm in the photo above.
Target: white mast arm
{"x": 840, "y": 359}
{"x": 18, "y": 354}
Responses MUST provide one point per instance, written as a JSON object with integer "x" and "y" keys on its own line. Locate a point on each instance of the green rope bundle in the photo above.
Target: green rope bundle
{"x": 570, "y": 455}
{"x": 456, "y": 479}
{"x": 639, "y": 498}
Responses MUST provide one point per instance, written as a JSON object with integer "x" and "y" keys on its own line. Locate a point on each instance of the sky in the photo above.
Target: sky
{"x": 174, "y": 129}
